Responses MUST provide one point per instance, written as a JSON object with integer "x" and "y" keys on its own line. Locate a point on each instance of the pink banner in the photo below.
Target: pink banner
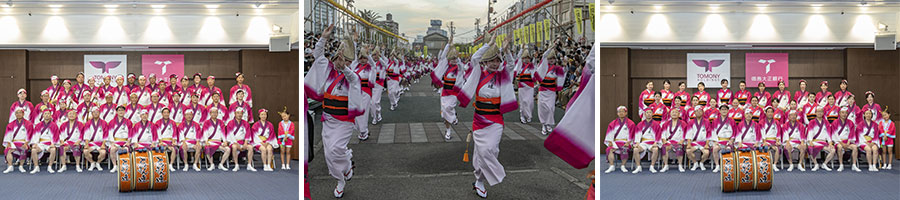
{"x": 768, "y": 68}
{"x": 162, "y": 65}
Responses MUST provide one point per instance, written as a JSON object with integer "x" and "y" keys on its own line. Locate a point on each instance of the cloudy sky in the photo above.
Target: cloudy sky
{"x": 414, "y": 15}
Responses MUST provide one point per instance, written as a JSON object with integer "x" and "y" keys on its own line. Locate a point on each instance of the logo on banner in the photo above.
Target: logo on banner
{"x": 709, "y": 68}
{"x": 105, "y": 65}
{"x": 768, "y": 68}
{"x": 163, "y": 65}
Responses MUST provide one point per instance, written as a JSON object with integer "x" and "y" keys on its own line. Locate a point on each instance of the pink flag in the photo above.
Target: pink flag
{"x": 162, "y": 65}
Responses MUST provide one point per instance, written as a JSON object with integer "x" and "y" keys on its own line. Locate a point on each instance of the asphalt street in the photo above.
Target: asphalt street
{"x": 406, "y": 157}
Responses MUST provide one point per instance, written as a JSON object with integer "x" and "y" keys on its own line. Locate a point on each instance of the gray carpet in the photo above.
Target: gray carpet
{"x": 279, "y": 184}
{"x": 884, "y": 184}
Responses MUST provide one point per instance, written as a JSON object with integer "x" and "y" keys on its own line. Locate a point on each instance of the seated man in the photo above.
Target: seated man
{"x": 94, "y": 137}
{"x": 119, "y": 129}
{"x": 793, "y": 133}
{"x": 142, "y": 133}
{"x": 44, "y": 139}
{"x": 240, "y": 140}
{"x": 189, "y": 132}
{"x": 214, "y": 139}
{"x": 16, "y": 139}
{"x": 697, "y": 135}
{"x": 164, "y": 131}
{"x": 70, "y": 136}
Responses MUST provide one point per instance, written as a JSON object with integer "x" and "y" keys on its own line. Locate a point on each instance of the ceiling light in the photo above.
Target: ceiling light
{"x": 55, "y": 6}
{"x": 7, "y": 5}
{"x": 863, "y": 4}
{"x": 111, "y": 6}
{"x": 657, "y": 7}
{"x": 157, "y": 6}
{"x": 212, "y": 6}
{"x": 258, "y": 5}
{"x": 816, "y": 5}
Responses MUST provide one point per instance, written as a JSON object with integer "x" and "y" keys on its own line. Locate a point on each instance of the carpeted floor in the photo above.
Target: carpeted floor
{"x": 848, "y": 184}
{"x": 217, "y": 184}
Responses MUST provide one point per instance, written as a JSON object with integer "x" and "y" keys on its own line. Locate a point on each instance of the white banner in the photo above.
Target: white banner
{"x": 709, "y": 68}
{"x": 105, "y": 65}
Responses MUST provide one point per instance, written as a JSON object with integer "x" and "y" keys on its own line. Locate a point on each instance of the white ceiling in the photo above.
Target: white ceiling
{"x": 742, "y": 6}
{"x": 145, "y": 7}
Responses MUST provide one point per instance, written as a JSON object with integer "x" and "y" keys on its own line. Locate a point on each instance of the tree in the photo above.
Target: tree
{"x": 371, "y": 17}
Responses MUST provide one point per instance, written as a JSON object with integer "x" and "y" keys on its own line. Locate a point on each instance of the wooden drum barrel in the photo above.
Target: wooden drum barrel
{"x": 125, "y": 174}
{"x": 745, "y": 170}
{"x": 763, "y": 175}
{"x": 728, "y": 175}
{"x": 142, "y": 170}
{"x": 160, "y": 170}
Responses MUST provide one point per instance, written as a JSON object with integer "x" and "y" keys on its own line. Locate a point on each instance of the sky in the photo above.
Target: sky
{"x": 414, "y": 16}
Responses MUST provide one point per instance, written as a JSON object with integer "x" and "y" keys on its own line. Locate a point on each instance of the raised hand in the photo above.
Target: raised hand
{"x": 327, "y": 33}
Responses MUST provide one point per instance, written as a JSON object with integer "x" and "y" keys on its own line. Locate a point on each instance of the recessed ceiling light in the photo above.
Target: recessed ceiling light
{"x": 111, "y": 6}
{"x": 55, "y": 6}
{"x": 6, "y": 6}
{"x": 762, "y": 5}
{"x": 212, "y": 6}
{"x": 816, "y": 5}
{"x": 258, "y": 5}
{"x": 158, "y": 6}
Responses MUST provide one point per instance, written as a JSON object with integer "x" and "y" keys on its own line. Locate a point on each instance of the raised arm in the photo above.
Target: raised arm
{"x": 319, "y": 50}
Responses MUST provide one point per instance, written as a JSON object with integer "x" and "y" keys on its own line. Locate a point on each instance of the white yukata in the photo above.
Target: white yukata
{"x": 119, "y": 131}
{"x": 17, "y": 136}
{"x": 551, "y": 79}
{"x": 523, "y": 72}
{"x": 450, "y": 78}
{"x": 143, "y": 134}
{"x": 154, "y": 112}
{"x": 377, "y": 90}
{"x": 94, "y": 134}
{"x": 341, "y": 95}
{"x": 393, "y": 82}
{"x": 493, "y": 95}
{"x": 367, "y": 78}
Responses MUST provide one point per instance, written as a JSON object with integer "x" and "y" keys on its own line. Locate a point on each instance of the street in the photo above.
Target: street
{"x": 406, "y": 157}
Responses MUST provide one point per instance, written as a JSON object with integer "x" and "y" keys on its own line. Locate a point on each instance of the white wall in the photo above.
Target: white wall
{"x": 741, "y": 27}
{"x": 139, "y": 30}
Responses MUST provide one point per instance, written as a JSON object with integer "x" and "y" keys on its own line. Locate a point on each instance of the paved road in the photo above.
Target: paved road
{"x": 406, "y": 157}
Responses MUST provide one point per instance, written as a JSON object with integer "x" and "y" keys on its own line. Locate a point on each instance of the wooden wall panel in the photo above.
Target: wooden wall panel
{"x": 613, "y": 80}
{"x": 876, "y": 71}
{"x": 12, "y": 78}
{"x": 273, "y": 78}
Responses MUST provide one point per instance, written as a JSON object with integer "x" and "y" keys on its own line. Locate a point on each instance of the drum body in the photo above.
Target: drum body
{"x": 160, "y": 171}
{"x": 763, "y": 175}
{"x": 125, "y": 172}
{"x": 745, "y": 172}
{"x": 142, "y": 170}
{"x": 728, "y": 175}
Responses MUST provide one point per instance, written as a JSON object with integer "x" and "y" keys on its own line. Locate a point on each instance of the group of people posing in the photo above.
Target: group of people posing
{"x": 682, "y": 123}
{"x": 349, "y": 83}
{"x": 104, "y": 117}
